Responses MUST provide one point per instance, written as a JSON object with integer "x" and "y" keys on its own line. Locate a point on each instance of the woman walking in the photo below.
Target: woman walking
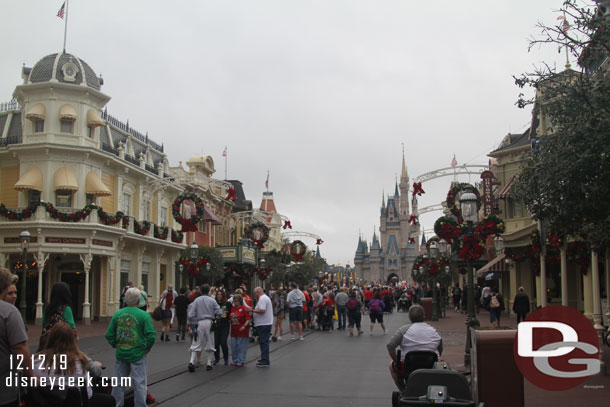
{"x": 355, "y": 310}
{"x": 143, "y": 305}
{"x": 376, "y": 307}
{"x": 279, "y": 304}
{"x": 240, "y": 330}
{"x": 59, "y": 309}
{"x": 223, "y": 327}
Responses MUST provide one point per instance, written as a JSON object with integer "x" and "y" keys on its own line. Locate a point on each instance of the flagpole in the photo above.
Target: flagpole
{"x": 226, "y": 154}
{"x": 66, "y": 24}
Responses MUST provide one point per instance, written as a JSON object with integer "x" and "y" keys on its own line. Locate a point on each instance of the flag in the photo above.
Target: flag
{"x": 565, "y": 26}
{"x": 62, "y": 11}
{"x": 454, "y": 161}
{"x": 224, "y": 153}
{"x": 267, "y": 181}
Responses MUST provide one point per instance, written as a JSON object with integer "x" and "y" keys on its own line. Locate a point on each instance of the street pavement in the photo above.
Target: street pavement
{"x": 327, "y": 367}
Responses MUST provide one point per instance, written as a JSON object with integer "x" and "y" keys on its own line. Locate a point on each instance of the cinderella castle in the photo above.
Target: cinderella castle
{"x": 394, "y": 252}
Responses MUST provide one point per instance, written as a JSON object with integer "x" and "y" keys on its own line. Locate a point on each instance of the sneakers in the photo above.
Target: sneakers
{"x": 351, "y": 334}
{"x": 162, "y": 336}
{"x": 279, "y": 338}
{"x": 198, "y": 363}
{"x": 149, "y": 398}
{"x": 301, "y": 338}
{"x": 191, "y": 367}
{"x": 371, "y": 333}
{"x": 226, "y": 361}
{"x": 167, "y": 338}
{"x": 292, "y": 338}
{"x": 360, "y": 333}
{"x": 208, "y": 367}
{"x": 177, "y": 337}
{"x": 385, "y": 331}
{"x": 262, "y": 365}
{"x": 216, "y": 362}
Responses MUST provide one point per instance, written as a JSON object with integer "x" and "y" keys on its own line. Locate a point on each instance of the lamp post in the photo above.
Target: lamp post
{"x": 433, "y": 255}
{"x": 194, "y": 255}
{"x": 468, "y": 206}
{"x": 24, "y": 239}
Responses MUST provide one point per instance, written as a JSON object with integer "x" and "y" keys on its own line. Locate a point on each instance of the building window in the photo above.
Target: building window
{"x": 90, "y": 131}
{"x": 517, "y": 209}
{"x": 145, "y": 271}
{"x": 163, "y": 217}
{"x": 34, "y": 197}
{"x": 147, "y": 211}
{"x": 127, "y": 198}
{"x": 66, "y": 126}
{"x": 63, "y": 198}
{"x": 89, "y": 199}
{"x": 38, "y": 126}
{"x": 125, "y": 270}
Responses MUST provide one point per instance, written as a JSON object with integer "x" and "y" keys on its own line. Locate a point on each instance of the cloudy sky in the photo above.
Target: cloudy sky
{"x": 319, "y": 93}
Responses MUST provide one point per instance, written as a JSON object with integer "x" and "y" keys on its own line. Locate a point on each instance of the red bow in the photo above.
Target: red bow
{"x": 417, "y": 189}
{"x": 287, "y": 224}
{"x": 413, "y": 219}
{"x": 231, "y": 194}
{"x": 412, "y": 240}
{"x": 319, "y": 241}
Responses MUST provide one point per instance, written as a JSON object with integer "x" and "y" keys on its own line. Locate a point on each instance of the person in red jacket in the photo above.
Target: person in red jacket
{"x": 368, "y": 296}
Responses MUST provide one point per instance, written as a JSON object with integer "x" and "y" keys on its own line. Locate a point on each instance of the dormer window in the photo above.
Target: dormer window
{"x": 38, "y": 126}
{"x": 67, "y": 126}
{"x": 67, "y": 116}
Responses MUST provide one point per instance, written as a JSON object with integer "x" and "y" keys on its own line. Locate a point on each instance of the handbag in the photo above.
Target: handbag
{"x": 214, "y": 325}
{"x": 58, "y": 316}
{"x": 157, "y": 314}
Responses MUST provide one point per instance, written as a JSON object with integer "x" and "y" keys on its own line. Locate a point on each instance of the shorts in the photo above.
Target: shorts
{"x": 166, "y": 314}
{"x": 376, "y": 316}
{"x": 279, "y": 316}
{"x": 295, "y": 314}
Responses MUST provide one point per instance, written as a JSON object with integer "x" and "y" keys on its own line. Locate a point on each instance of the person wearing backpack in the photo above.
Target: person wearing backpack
{"x": 376, "y": 307}
{"x": 342, "y": 299}
{"x": 496, "y": 306}
{"x": 355, "y": 310}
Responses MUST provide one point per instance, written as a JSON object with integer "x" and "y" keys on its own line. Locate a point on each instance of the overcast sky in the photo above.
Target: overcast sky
{"x": 320, "y": 93}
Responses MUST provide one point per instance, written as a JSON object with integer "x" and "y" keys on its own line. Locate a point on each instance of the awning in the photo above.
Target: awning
{"x": 505, "y": 192}
{"x": 32, "y": 179}
{"x": 94, "y": 120}
{"x": 209, "y": 216}
{"x": 95, "y": 186}
{"x": 37, "y": 112}
{"x": 67, "y": 111}
{"x": 65, "y": 179}
{"x": 494, "y": 265}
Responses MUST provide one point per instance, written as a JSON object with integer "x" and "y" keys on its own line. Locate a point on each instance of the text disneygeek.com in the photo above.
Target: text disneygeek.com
{"x": 62, "y": 382}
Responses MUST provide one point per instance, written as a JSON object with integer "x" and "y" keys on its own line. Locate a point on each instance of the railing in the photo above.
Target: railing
{"x": 125, "y": 127}
{"x": 132, "y": 160}
{"x": 10, "y": 105}
{"x": 9, "y": 140}
{"x": 109, "y": 149}
{"x": 150, "y": 168}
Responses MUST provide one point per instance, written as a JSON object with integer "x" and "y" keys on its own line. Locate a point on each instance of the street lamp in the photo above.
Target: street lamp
{"x": 24, "y": 239}
{"x": 208, "y": 266}
{"x": 193, "y": 255}
{"x": 498, "y": 244}
{"x": 434, "y": 249}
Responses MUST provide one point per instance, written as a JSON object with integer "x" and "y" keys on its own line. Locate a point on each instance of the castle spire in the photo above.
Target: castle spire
{"x": 404, "y": 165}
{"x": 396, "y": 190}
{"x": 382, "y": 199}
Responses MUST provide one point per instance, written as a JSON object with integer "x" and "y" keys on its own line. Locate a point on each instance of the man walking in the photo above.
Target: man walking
{"x": 341, "y": 299}
{"x": 202, "y": 311}
{"x": 263, "y": 321}
{"x": 181, "y": 304}
{"x": 132, "y": 333}
{"x": 295, "y": 300}
{"x": 521, "y": 305}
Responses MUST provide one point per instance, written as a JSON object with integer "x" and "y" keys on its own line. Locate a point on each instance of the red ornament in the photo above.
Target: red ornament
{"x": 412, "y": 240}
{"x": 319, "y": 241}
{"x": 417, "y": 189}
{"x": 287, "y": 224}
{"x": 413, "y": 219}
{"x": 231, "y": 194}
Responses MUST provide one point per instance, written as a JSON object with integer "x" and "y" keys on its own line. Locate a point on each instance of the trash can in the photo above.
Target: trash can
{"x": 427, "y": 304}
{"x": 496, "y": 380}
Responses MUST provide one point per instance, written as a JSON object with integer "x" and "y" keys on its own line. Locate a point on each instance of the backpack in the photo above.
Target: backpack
{"x": 494, "y": 303}
{"x": 375, "y": 306}
{"x": 352, "y": 304}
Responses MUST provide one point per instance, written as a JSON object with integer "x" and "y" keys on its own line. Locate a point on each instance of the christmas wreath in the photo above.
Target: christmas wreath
{"x": 177, "y": 236}
{"x": 297, "y": 250}
{"x": 76, "y": 216}
{"x": 17, "y": 215}
{"x": 191, "y": 268}
{"x": 258, "y": 232}
{"x": 190, "y": 224}
{"x": 471, "y": 248}
{"x": 490, "y": 225}
{"x": 432, "y": 239}
{"x": 263, "y": 273}
{"x": 141, "y": 228}
{"x": 452, "y": 194}
{"x": 447, "y": 228}
{"x": 161, "y": 232}
{"x": 107, "y": 219}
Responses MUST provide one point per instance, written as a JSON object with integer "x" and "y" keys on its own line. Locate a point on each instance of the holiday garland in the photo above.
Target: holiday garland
{"x": 471, "y": 247}
{"x": 490, "y": 225}
{"x": 141, "y": 228}
{"x": 263, "y": 273}
{"x": 177, "y": 236}
{"x": 190, "y": 224}
{"x": 453, "y": 192}
{"x": 75, "y": 216}
{"x": 263, "y": 236}
{"x": 447, "y": 228}
{"x": 107, "y": 219}
{"x": 161, "y": 232}
{"x": 17, "y": 215}
{"x": 430, "y": 271}
{"x": 193, "y": 268}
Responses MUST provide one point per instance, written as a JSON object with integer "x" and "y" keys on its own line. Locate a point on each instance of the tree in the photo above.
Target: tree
{"x": 565, "y": 179}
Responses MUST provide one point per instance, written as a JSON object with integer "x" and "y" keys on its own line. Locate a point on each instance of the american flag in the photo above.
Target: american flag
{"x": 62, "y": 11}
{"x": 224, "y": 153}
{"x": 454, "y": 161}
{"x": 565, "y": 26}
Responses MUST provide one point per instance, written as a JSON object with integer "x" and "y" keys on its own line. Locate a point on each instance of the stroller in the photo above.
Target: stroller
{"x": 325, "y": 317}
{"x": 403, "y": 304}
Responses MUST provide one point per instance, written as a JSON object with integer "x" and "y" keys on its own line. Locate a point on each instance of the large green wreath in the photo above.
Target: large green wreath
{"x": 293, "y": 252}
{"x": 454, "y": 191}
{"x": 249, "y": 232}
{"x": 188, "y": 225}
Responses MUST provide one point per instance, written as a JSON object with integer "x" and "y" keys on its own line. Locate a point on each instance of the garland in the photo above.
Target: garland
{"x": 577, "y": 252}
{"x": 447, "y": 228}
{"x": 193, "y": 268}
{"x": 125, "y": 222}
{"x": 453, "y": 193}
{"x": 141, "y": 228}
{"x": 263, "y": 233}
{"x": 188, "y": 225}
{"x": 161, "y": 232}
{"x": 298, "y": 256}
{"x": 490, "y": 225}
{"x": 75, "y": 216}
{"x": 471, "y": 248}
{"x": 17, "y": 215}
{"x": 107, "y": 219}
{"x": 177, "y": 236}
{"x": 263, "y": 273}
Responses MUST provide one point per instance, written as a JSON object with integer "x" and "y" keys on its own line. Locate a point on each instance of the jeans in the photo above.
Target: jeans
{"x": 521, "y": 316}
{"x": 342, "y": 311}
{"x": 137, "y": 371}
{"x": 181, "y": 327}
{"x": 220, "y": 340}
{"x": 239, "y": 348}
{"x": 264, "y": 331}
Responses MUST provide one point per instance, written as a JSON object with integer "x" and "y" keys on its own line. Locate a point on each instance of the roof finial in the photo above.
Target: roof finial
{"x": 383, "y": 199}
{"x": 404, "y": 174}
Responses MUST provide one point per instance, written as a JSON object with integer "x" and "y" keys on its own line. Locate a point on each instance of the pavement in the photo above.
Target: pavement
{"x": 327, "y": 367}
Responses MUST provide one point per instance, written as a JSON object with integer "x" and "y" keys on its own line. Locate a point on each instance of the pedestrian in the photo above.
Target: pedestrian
{"x": 181, "y": 304}
{"x": 13, "y": 342}
{"x": 202, "y": 311}
{"x": 59, "y": 309}
{"x": 196, "y": 292}
{"x": 279, "y": 304}
{"x": 166, "y": 302}
{"x": 305, "y": 320}
{"x": 521, "y": 305}
{"x": 62, "y": 346}
{"x": 262, "y": 318}
{"x": 496, "y": 306}
{"x": 123, "y": 291}
{"x": 143, "y": 305}
{"x": 485, "y": 292}
{"x": 223, "y": 327}
{"x": 376, "y": 307}
{"x": 11, "y": 292}
{"x": 240, "y": 330}
{"x": 355, "y": 310}
{"x": 341, "y": 299}
{"x": 132, "y": 334}
{"x": 295, "y": 301}
{"x": 368, "y": 296}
